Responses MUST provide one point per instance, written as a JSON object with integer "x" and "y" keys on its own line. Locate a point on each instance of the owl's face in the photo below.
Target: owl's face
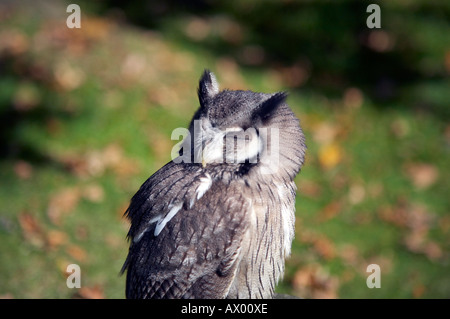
{"x": 228, "y": 127}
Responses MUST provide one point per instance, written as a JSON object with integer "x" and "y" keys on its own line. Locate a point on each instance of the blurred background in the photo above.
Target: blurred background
{"x": 86, "y": 117}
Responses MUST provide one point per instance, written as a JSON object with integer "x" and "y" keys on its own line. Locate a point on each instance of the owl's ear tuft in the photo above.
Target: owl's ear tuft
{"x": 208, "y": 87}
{"x": 267, "y": 108}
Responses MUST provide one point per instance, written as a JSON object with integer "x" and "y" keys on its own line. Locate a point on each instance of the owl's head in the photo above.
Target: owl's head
{"x": 239, "y": 127}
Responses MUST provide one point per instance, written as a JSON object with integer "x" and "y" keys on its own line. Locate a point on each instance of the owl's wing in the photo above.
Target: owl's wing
{"x": 195, "y": 252}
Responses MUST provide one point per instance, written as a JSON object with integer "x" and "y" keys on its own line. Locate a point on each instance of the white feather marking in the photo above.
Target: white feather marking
{"x": 205, "y": 185}
{"x": 287, "y": 217}
{"x": 142, "y": 232}
{"x": 162, "y": 222}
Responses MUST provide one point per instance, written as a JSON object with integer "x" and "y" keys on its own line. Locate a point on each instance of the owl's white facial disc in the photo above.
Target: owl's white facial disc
{"x": 231, "y": 145}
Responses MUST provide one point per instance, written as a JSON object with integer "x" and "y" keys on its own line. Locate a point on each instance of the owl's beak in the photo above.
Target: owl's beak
{"x": 203, "y": 162}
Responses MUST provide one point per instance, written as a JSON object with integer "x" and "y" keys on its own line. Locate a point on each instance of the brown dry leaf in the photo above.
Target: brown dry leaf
{"x": 13, "y": 42}
{"x": 324, "y": 247}
{"x": 422, "y": 175}
{"x": 113, "y": 157}
{"x": 384, "y": 261}
{"x": 314, "y": 282}
{"x": 350, "y": 255}
{"x": 95, "y": 292}
{"x": 76, "y": 164}
{"x": 414, "y": 216}
{"x": 67, "y": 76}
{"x": 295, "y": 75}
{"x": 325, "y": 132}
{"x": 133, "y": 66}
{"x": 56, "y": 238}
{"x": 23, "y": 170}
{"x": 197, "y": 29}
{"x": 330, "y": 155}
{"x": 329, "y": 211}
{"x": 356, "y": 194}
{"x": 380, "y": 41}
{"x": 94, "y": 193}
{"x": 309, "y": 188}
{"x": 418, "y": 290}
{"x": 96, "y": 162}
{"x": 77, "y": 253}
{"x": 433, "y": 250}
{"x": 394, "y": 215}
{"x": 415, "y": 240}
{"x": 320, "y": 243}
{"x": 353, "y": 98}
{"x": 62, "y": 203}
{"x": 96, "y": 28}
{"x": 62, "y": 264}
{"x": 32, "y": 231}
{"x": 419, "y": 217}
{"x": 26, "y": 97}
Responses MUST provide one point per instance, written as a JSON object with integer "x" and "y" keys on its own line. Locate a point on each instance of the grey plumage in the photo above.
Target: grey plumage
{"x": 210, "y": 227}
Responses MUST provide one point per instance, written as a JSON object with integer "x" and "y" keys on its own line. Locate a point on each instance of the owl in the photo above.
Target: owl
{"x": 217, "y": 221}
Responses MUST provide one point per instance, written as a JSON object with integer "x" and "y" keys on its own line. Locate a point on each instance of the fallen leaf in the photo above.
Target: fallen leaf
{"x": 353, "y": 98}
{"x": 394, "y": 215}
{"x": 197, "y": 29}
{"x": 330, "y": 155}
{"x": 26, "y": 97}
{"x": 418, "y": 290}
{"x": 23, "y": 170}
{"x": 356, "y": 194}
{"x": 384, "y": 261}
{"x": 77, "y": 253}
{"x": 324, "y": 247}
{"x": 422, "y": 175}
{"x": 325, "y": 132}
{"x": 133, "y": 66}
{"x": 62, "y": 264}
{"x": 329, "y": 211}
{"x": 380, "y": 41}
{"x": 433, "y": 250}
{"x": 13, "y": 42}
{"x": 111, "y": 157}
{"x": 312, "y": 281}
{"x": 68, "y": 77}
{"x": 56, "y": 238}
{"x": 309, "y": 188}
{"x": 94, "y": 193}
{"x": 32, "y": 231}
{"x": 350, "y": 255}
{"x": 62, "y": 203}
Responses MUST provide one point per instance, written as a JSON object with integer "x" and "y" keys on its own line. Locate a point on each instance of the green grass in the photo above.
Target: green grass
{"x": 77, "y": 149}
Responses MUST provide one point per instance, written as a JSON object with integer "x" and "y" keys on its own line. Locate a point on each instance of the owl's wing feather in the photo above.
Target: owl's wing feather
{"x": 195, "y": 254}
